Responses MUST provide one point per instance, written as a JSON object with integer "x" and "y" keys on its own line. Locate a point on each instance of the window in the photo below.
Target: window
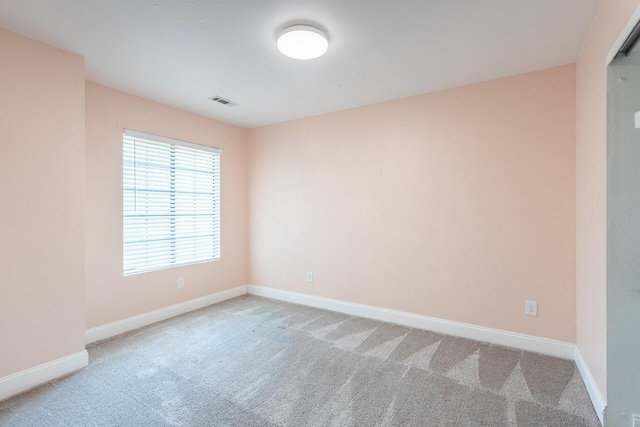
{"x": 171, "y": 202}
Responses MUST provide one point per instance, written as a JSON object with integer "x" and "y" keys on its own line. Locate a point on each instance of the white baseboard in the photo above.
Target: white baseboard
{"x": 112, "y": 329}
{"x": 494, "y": 336}
{"x": 592, "y": 387}
{"x": 32, "y": 377}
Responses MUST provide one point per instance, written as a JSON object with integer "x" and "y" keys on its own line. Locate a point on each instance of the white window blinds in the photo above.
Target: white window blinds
{"x": 171, "y": 202}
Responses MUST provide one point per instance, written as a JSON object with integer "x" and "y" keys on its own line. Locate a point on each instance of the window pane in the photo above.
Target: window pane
{"x": 171, "y": 203}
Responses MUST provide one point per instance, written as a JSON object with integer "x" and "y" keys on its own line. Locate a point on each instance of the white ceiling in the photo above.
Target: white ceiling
{"x": 181, "y": 52}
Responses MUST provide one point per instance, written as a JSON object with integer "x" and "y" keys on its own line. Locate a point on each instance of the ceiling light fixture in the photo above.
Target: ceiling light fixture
{"x": 302, "y": 42}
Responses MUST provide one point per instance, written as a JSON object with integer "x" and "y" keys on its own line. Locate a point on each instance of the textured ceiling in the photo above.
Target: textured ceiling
{"x": 181, "y": 52}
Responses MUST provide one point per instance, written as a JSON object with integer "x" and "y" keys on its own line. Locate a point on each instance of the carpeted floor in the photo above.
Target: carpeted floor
{"x": 252, "y": 361}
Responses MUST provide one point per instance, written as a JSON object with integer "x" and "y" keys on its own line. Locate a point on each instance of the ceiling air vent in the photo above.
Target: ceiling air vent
{"x": 223, "y": 101}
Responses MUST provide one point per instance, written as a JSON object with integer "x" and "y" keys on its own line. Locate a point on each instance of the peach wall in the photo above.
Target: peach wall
{"x": 457, "y": 204}
{"x": 42, "y": 188}
{"x": 591, "y": 184}
{"x": 109, "y": 295}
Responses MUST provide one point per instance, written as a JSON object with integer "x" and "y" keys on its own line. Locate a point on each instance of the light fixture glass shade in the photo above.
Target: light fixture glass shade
{"x": 302, "y": 42}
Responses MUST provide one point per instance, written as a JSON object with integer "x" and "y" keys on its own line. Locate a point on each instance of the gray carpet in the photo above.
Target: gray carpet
{"x": 257, "y": 362}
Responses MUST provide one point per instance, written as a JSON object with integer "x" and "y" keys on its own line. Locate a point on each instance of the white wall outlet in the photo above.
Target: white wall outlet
{"x": 531, "y": 308}
{"x": 309, "y": 277}
{"x": 636, "y": 420}
{"x": 180, "y": 282}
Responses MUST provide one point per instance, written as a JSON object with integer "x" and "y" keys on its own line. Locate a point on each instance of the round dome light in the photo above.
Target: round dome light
{"x": 302, "y": 42}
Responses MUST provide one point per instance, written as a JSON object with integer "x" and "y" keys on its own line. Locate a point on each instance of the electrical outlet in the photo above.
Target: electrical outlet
{"x": 636, "y": 420}
{"x": 309, "y": 277}
{"x": 180, "y": 282}
{"x": 531, "y": 308}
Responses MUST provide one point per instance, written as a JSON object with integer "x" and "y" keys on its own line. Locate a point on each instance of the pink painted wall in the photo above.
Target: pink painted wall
{"x": 458, "y": 204}
{"x": 42, "y": 189}
{"x": 109, "y": 295}
{"x": 591, "y": 185}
